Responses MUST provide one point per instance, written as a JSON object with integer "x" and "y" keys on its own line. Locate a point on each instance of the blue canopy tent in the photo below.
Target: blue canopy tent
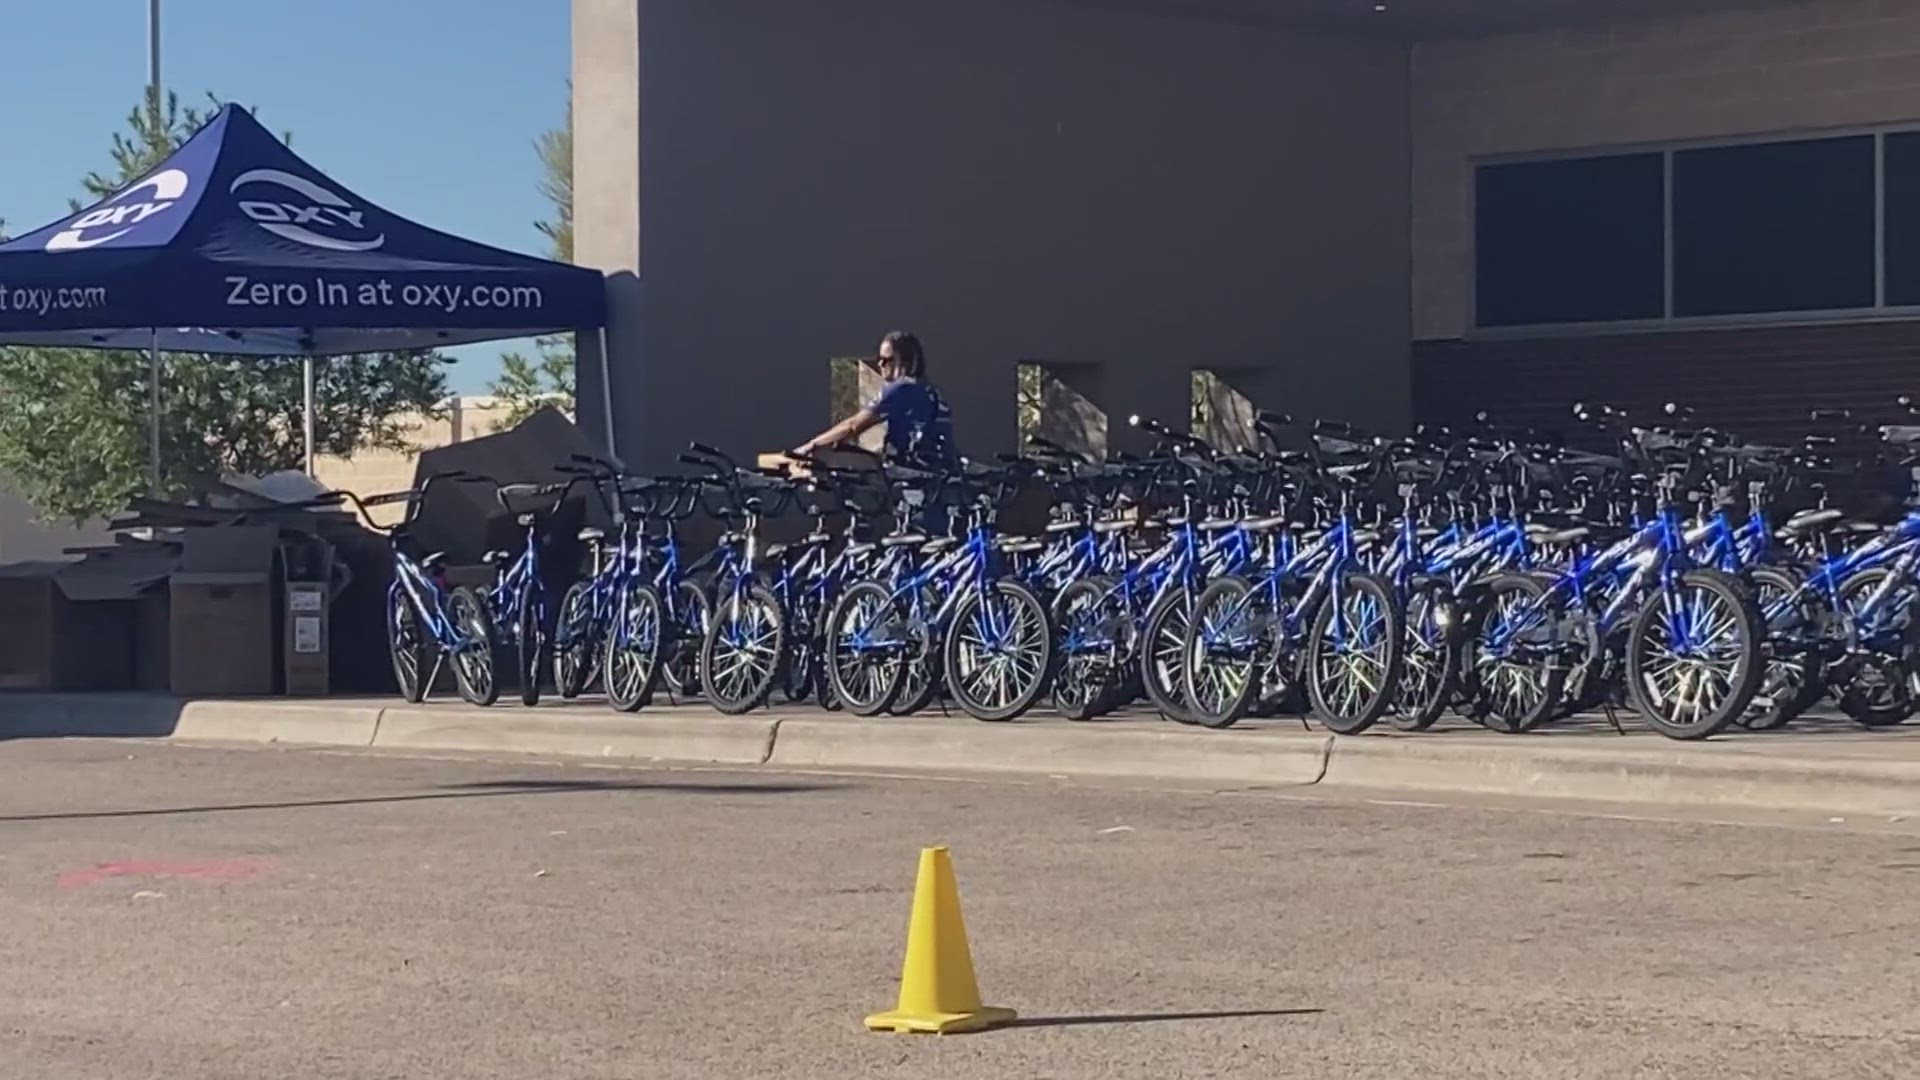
{"x": 235, "y": 245}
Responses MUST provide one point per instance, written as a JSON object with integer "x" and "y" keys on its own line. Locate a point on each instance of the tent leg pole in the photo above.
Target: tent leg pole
{"x": 606, "y": 394}
{"x": 306, "y": 378}
{"x": 153, "y": 415}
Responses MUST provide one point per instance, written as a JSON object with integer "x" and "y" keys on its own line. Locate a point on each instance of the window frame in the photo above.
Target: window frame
{"x": 1880, "y": 311}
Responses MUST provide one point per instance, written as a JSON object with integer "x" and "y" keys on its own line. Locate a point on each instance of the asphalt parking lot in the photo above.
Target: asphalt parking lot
{"x": 174, "y": 910}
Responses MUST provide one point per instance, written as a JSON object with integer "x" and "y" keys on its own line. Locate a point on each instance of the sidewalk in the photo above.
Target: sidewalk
{"x": 1822, "y": 765}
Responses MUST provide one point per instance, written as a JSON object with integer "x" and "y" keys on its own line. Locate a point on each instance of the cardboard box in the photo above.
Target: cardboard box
{"x": 223, "y": 618}
{"x": 48, "y": 641}
{"x": 72, "y": 625}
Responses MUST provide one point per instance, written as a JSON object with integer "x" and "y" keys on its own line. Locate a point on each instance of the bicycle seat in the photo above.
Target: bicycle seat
{"x": 1807, "y": 521}
{"x": 813, "y": 540}
{"x": 1217, "y": 524}
{"x": 1054, "y": 528}
{"x": 1265, "y": 524}
{"x": 1019, "y": 545}
{"x": 591, "y": 535}
{"x": 1560, "y": 537}
{"x": 498, "y": 559}
{"x": 903, "y": 540}
{"x": 937, "y": 545}
{"x": 1122, "y": 525}
{"x": 1366, "y": 537}
{"x": 434, "y": 561}
{"x": 862, "y": 548}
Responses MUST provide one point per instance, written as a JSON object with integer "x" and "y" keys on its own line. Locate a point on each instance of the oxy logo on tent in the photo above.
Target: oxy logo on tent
{"x": 304, "y": 212}
{"x": 122, "y": 212}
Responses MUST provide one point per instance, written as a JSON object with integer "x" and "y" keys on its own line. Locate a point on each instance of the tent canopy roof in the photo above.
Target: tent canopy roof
{"x": 235, "y": 244}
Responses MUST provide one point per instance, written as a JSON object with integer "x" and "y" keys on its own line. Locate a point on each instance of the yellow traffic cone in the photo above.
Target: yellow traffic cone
{"x": 937, "y": 988}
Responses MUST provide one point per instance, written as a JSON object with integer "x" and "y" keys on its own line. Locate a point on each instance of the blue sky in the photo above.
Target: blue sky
{"x": 428, "y": 107}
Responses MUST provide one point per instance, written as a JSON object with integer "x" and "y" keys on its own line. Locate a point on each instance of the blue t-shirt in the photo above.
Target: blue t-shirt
{"x": 919, "y": 423}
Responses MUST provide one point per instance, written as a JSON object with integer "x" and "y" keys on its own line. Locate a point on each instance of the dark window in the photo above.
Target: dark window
{"x": 1570, "y": 241}
{"x": 1773, "y": 227}
{"x": 1903, "y": 218}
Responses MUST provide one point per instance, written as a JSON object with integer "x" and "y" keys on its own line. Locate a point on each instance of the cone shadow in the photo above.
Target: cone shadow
{"x": 1148, "y": 1018}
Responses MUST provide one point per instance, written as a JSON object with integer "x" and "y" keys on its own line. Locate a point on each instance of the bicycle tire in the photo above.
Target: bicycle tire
{"x": 576, "y": 652}
{"x": 406, "y": 647}
{"x": 473, "y": 669}
{"x": 528, "y": 642}
{"x": 630, "y": 672}
{"x": 722, "y": 692}
{"x": 866, "y": 696}
{"x": 1162, "y": 680}
{"x": 1217, "y": 690}
{"x": 1731, "y": 599}
{"x": 1030, "y": 621}
{"x": 1337, "y": 714}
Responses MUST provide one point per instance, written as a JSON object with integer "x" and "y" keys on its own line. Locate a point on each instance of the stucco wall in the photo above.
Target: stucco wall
{"x": 1015, "y": 181}
{"x": 1781, "y": 68}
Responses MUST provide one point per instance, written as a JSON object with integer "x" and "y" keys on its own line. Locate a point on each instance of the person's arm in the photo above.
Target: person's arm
{"x": 851, "y": 428}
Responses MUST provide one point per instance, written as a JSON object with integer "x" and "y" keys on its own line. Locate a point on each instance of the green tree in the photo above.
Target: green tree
{"x": 546, "y": 378}
{"x": 73, "y": 422}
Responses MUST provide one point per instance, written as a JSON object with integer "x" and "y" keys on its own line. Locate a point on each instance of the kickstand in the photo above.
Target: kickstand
{"x": 439, "y": 659}
{"x": 1613, "y": 717}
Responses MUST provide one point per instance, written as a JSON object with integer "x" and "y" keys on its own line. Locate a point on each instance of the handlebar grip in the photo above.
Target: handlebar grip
{"x": 1831, "y": 414}
{"x": 1332, "y": 427}
{"x": 689, "y": 459}
{"x": 1274, "y": 419}
{"x": 390, "y": 498}
{"x": 703, "y": 448}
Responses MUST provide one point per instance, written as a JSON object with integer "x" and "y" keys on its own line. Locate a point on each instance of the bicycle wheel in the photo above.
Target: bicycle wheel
{"x": 406, "y": 644}
{"x": 681, "y": 638}
{"x": 999, "y": 651}
{"x": 1512, "y": 671}
{"x": 1874, "y": 684}
{"x": 800, "y": 665}
{"x": 577, "y": 649}
{"x": 865, "y": 658}
{"x": 529, "y": 648}
{"x": 1089, "y": 655}
{"x": 740, "y": 657}
{"x": 1353, "y": 654}
{"x": 1694, "y": 656}
{"x": 1793, "y": 678}
{"x": 1229, "y": 639}
{"x": 632, "y": 665}
{"x": 473, "y": 656}
{"x": 1428, "y": 660}
{"x": 1162, "y": 643}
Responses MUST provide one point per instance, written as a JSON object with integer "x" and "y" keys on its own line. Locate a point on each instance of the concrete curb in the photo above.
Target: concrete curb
{"x": 1250, "y": 757}
{"x": 1874, "y": 774}
{"x": 1695, "y": 774}
{"x": 316, "y": 723}
{"x": 705, "y": 739}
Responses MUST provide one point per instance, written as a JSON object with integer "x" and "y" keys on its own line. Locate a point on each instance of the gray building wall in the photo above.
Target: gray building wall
{"x": 24, "y": 539}
{"x": 1764, "y": 69}
{"x": 1016, "y": 181}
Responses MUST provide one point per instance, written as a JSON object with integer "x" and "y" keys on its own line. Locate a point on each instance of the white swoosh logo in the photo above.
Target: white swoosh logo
{"x": 312, "y": 191}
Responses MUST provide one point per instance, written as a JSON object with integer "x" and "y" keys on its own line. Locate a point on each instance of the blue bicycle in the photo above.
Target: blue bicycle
{"x": 428, "y": 620}
{"x": 961, "y": 616}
